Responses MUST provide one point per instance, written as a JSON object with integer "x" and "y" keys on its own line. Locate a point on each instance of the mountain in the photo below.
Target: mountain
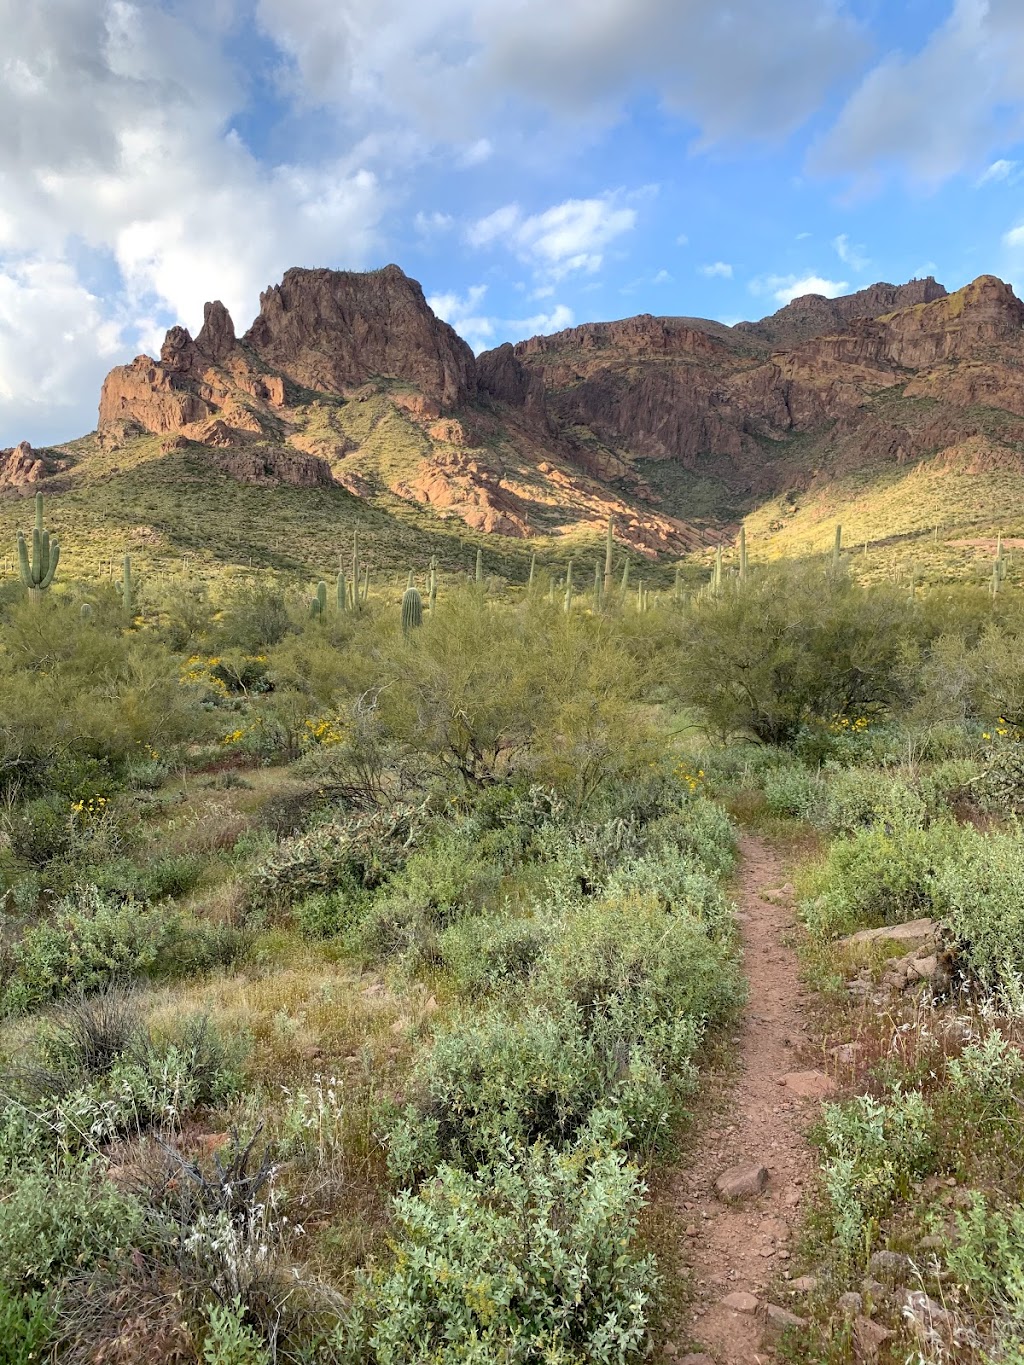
{"x": 350, "y": 392}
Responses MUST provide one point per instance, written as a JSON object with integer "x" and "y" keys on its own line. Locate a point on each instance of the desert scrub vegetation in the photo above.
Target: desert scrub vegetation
{"x": 358, "y": 976}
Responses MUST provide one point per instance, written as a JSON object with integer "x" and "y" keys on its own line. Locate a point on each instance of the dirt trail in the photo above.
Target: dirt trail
{"x": 742, "y": 1247}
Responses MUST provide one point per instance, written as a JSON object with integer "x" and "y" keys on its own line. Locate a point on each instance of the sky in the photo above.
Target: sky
{"x": 533, "y": 163}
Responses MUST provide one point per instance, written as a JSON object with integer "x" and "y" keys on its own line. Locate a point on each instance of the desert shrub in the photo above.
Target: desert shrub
{"x": 333, "y": 912}
{"x": 987, "y": 1258}
{"x": 530, "y": 1259}
{"x": 792, "y": 790}
{"x": 700, "y": 828}
{"x": 56, "y": 1220}
{"x": 446, "y": 879}
{"x": 535, "y": 1073}
{"x": 979, "y": 896}
{"x": 486, "y": 953}
{"x": 86, "y": 1036}
{"x": 872, "y": 1153}
{"x": 26, "y": 1326}
{"x": 1001, "y": 786}
{"x": 86, "y": 942}
{"x": 229, "y": 1338}
{"x": 255, "y": 616}
{"x": 654, "y": 966}
{"x": 42, "y": 830}
{"x": 862, "y": 798}
{"x": 879, "y": 876}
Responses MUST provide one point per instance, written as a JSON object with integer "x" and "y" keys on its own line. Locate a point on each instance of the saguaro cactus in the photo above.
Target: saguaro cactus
{"x": 479, "y": 566}
{"x": 609, "y": 550}
{"x": 743, "y": 554}
{"x": 432, "y": 585}
{"x": 125, "y": 588}
{"x": 341, "y": 592}
{"x": 412, "y": 610}
{"x": 568, "y": 588}
{"x": 837, "y": 548}
{"x": 533, "y": 573}
{"x": 37, "y": 572}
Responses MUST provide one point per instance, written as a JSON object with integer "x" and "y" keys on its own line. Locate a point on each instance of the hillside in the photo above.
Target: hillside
{"x": 348, "y": 404}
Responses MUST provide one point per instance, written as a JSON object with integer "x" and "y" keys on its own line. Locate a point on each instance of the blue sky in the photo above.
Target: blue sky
{"x": 533, "y": 164}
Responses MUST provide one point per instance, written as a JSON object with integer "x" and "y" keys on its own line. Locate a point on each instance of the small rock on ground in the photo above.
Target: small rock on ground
{"x": 868, "y": 1339}
{"x": 779, "y": 1320}
{"x": 741, "y": 1182}
{"x": 740, "y": 1302}
{"x": 808, "y": 1085}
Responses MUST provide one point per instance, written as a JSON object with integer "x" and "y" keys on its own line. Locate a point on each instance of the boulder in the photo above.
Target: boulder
{"x": 741, "y": 1182}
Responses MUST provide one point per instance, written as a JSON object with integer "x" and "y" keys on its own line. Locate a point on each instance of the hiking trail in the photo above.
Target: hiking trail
{"x": 736, "y": 1249}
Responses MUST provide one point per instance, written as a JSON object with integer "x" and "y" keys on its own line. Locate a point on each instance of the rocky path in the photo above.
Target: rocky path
{"x": 739, "y": 1194}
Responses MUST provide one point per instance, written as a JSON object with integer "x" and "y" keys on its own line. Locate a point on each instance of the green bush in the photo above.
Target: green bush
{"x": 54, "y": 1220}
{"x": 987, "y": 1259}
{"x": 979, "y": 896}
{"x": 446, "y": 880}
{"x": 528, "y": 1260}
{"x": 873, "y": 1151}
{"x": 86, "y": 942}
{"x": 42, "y": 830}
{"x": 655, "y": 966}
{"x": 794, "y": 652}
{"x": 360, "y": 852}
{"x": 26, "y": 1326}
{"x": 792, "y": 790}
{"x": 333, "y": 912}
{"x": 879, "y": 876}
{"x": 532, "y": 1073}
{"x": 486, "y": 953}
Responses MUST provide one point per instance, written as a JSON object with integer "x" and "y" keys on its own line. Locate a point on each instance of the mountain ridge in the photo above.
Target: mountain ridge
{"x": 348, "y": 380}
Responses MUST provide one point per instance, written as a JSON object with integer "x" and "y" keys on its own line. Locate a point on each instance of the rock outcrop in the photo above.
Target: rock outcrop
{"x": 332, "y": 329}
{"x": 813, "y": 315}
{"x": 23, "y": 467}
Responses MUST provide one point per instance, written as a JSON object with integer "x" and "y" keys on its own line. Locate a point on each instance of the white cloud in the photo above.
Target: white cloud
{"x": 56, "y": 344}
{"x": 568, "y": 237}
{"x": 998, "y": 171}
{"x": 720, "y": 270}
{"x": 477, "y": 153}
{"x": 746, "y": 70}
{"x": 427, "y": 224}
{"x": 937, "y": 111}
{"x": 682, "y": 240}
{"x": 785, "y": 288}
{"x": 849, "y": 254}
{"x": 463, "y": 312}
{"x": 661, "y": 277}
{"x": 118, "y": 149}
{"x": 1015, "y": 237}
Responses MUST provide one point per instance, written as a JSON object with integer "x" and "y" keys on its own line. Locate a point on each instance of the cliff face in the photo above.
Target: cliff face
{"x": 331, "y": 329}
{"x": 732, "y": 399}
{"x": 813, "y": 315}
{"x": 350, "y": 378}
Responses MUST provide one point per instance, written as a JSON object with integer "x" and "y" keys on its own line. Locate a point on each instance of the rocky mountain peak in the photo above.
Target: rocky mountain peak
{"x": 812, "y": 315}
{"x": 334, "y": 329}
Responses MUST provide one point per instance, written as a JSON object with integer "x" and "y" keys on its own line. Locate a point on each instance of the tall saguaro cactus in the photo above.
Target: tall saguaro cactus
{"x": 743, "y": 554}
{"x": 125, "y": 588}
{"x": 37, "y": 572}
{"x": 609, "y": 550}
{"x": 837, "y": 548}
